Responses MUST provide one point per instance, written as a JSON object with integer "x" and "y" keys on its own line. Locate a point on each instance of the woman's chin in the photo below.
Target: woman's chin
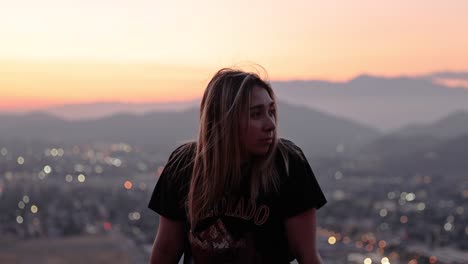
{"x": 262, "y": 151}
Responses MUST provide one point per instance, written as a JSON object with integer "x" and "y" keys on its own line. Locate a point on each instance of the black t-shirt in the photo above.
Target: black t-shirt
{"x": 239, "y": 230}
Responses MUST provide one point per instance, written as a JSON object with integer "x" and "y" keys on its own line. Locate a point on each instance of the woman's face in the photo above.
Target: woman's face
{"x": 259, "y": 129}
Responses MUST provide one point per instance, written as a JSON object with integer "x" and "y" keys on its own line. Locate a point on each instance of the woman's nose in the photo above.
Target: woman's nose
{"x": 270, "y": 123}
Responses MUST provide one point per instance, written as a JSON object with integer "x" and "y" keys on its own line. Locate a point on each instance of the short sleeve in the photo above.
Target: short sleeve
{"x": 300, "y": 190}
{"x": 168, "y": 194}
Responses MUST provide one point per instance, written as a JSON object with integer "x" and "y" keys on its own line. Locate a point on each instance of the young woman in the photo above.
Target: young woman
{"x": 239, "y": 194}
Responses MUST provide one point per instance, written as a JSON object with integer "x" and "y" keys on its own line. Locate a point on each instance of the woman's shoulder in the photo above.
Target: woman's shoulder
{"x": 288, "y": 148}
{"x": 289, "y": 156}
{"x": 287, "y": 142}
{"x": 182, "y": 156}
{"x": 185, "y": 148}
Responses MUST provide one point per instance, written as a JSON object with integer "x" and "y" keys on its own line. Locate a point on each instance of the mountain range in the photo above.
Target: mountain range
{"x": 387, "y": 104}
{"x": 318, "y": 133}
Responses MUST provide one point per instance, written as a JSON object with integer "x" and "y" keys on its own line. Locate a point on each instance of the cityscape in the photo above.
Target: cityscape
{"x": 50, "y": 191}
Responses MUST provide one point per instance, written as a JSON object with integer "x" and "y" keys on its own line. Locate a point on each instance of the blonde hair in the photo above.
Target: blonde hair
{"x": 218, "y": 151}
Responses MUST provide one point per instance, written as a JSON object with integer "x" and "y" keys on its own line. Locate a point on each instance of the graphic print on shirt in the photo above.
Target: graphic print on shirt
{"x": 216, "y": 243}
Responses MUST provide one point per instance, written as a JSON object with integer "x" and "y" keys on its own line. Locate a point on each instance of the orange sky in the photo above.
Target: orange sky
{"x": 60, "y": 51}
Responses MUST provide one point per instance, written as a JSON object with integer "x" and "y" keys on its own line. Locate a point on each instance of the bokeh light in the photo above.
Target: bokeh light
{"x": 128, "y": 185}
{"x": 4, "y": 151}
{"x": 382, "y": 243}
{"x": 20, "y": 160}
{"x": 69, "y": 178}
{"x": 34, "y": 209}
{"x": 81, "y": 178}
{"x": 107, "y": 226}
{"x": 385, "y": 260}
{"x": 47, "y": 169}
{"x": 383, "y": 212}
{"x": 403, "y": 219}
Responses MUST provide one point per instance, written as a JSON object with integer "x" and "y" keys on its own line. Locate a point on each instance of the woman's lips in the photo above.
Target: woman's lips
{"x": 266, "y": 140}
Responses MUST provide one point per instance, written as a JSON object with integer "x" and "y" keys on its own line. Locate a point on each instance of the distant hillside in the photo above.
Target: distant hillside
{"x": 396, "y": 146}
{"x": 384, "y": 103}
{"x": 318, "y": 133}
{"x": 445, "y": 158}
{"x": 100, "y": 110}
{"x": 416, "y": 137}
{"x": 453, "y": 125}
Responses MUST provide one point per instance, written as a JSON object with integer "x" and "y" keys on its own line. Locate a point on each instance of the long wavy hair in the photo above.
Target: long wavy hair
{"x": 217, "y": 161}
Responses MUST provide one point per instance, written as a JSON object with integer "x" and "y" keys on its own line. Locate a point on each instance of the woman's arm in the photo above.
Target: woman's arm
{"x": 169, "y": 243}
{"x": 301, "y": 232}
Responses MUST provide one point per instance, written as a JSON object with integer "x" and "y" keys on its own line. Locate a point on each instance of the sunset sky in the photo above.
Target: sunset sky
{"x": 63, "y": 51}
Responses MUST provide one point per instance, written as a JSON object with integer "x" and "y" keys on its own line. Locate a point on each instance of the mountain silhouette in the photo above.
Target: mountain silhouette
{"x": 318, "y": 133}
{"x": 385, "y": 103}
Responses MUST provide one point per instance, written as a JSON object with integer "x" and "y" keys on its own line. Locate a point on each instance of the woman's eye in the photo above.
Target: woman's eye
{"x": 255, "y": 114}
